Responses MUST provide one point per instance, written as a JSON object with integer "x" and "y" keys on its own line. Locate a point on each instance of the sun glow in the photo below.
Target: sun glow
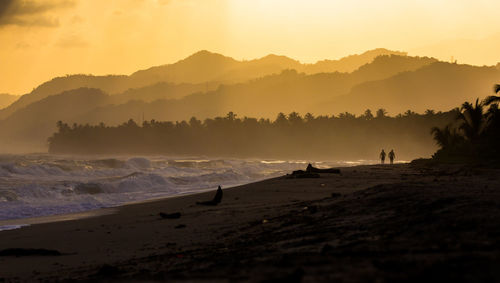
{"x": 127, "y": 35}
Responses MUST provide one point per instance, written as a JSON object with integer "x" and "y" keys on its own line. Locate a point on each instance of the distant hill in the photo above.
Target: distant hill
{"x": 287, "y": 92}
{"x": 162, "y": 90}
{"x": 437, "y": 86}
{"x": 264, "y": 97}
{"x": 205, "y": 66}
{"x": 350, "y": 63}
{"x": 7, "y": 99}
{"x": 60, "y": 84}
{"x": 394, "y": 82}
{"x": 206, "y": 69}
{"x": 28, "y": 127}
{"x": 433, "y": 85}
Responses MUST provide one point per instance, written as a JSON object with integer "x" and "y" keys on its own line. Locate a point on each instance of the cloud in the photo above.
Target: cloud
{"x": 30, "y": 12}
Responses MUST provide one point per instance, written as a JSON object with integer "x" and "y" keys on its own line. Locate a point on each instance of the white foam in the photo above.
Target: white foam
{"x": 41, "y": 185}
{"x": 12, "y": 227}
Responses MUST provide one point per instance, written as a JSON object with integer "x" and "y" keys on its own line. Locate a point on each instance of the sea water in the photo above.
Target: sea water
{"x": 42, "y": 185}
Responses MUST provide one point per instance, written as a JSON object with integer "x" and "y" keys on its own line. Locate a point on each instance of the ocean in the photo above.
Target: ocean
{"x": 42, "y": 185}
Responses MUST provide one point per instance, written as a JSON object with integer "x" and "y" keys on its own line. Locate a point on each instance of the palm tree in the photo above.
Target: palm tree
{"x": 409, "y": 113}
{"x": 429, "y": 112}
{"x": 367, "y": 115}
{"x": 309, "y": 117}
{"x": 446, "y": 137}
{"x": 473, "y": 120}
{"x": 381, "y": 113}
{"x": 231, "y": 116}
{"x": 295, "y": 119}
{"x": 493, "y": 98}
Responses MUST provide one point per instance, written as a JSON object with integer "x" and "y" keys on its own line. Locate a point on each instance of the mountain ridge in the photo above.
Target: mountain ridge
{"x": 413, "y": 83}
{"x": 7, "y": 99}
{"x": 202, "y": 67}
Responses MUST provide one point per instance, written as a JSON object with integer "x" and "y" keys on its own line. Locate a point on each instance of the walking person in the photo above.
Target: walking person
{"x": 382, "y": 157}
{"x": 392, "y": 155}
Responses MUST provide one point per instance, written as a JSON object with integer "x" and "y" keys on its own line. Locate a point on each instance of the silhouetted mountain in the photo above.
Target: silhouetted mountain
{"x": 286, "y": 92}
{"x": 438, "y": 86}
{"x": 350, "y": 63}
{"x": 200, "y": 67}
{"x": 7, "y": 99}
{"x": 60, "y": 84}
{"x": 29, "y": 126}
{"x": 396, "y": 83}
{"x": 204, "y": 68}
{"x": 162, "y": 90}
{"x": 265, "y": 97}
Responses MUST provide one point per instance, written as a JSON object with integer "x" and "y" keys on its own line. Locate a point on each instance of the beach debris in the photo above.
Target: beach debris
{"x": 312, "y": 172}
{"x": 215, "y": 201}
{"x": 29, "y": 252}
{"x": 306, "y": 175}
{"x": 312, "y": 169}
{"x": 264, "y": 221}
{"x": 175, "y": 215}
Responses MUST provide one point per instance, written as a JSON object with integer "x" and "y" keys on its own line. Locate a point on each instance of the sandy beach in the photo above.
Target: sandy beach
{"x": 369, "y": 223}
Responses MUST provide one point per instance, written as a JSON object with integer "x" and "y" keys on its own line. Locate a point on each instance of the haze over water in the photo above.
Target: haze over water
{"x": 41, "y": 185}
{"x": 212, "y": 78}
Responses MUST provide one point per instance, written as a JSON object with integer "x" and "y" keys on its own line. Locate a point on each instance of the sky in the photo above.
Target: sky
{"x": 42, "y": 39}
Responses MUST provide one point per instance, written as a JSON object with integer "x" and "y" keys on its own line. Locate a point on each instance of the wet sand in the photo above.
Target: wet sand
{"x": 371, "y": 223}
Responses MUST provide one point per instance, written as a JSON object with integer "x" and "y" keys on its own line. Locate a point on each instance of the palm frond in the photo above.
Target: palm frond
{"x": 491, "y": 99}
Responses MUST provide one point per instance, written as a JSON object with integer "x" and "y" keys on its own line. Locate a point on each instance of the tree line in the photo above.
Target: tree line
{"x": 474, "y": 134}
{"x": 335, "y": 137}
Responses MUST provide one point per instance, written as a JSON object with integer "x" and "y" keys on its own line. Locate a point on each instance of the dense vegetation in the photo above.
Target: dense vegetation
{"x": 474, "y": 136}
{"x": 256, "y": 88}
{"x": 344, "y": 136}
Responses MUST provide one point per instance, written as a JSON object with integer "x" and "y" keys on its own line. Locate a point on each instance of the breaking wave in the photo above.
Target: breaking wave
{"x": 40, "y": 185}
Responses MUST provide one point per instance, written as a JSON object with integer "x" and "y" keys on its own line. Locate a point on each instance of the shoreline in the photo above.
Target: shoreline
{"x": 388, "y": 222}
{"x": 24, "y": 222}
{"x": 112, "y": 209}
{"x": 64, "y": 182}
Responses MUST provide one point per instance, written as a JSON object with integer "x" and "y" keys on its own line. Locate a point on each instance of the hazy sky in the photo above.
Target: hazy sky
{"x": 42, "y": 39}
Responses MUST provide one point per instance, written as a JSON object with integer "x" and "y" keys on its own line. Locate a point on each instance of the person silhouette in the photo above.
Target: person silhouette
{"x": 382, "y": 157}
{"x": 392, "y": 155}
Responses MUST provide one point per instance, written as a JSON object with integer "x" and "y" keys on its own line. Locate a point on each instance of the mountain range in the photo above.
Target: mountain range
{"x": 208, "y": 84}
{"x": 7, "y": 99}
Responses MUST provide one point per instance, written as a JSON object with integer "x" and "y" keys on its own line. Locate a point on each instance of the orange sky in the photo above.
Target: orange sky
{"x": 44, "y": 39}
